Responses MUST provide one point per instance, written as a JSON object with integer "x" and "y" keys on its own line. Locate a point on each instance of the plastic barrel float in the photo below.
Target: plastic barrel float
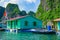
{"x": 49, "y": 27}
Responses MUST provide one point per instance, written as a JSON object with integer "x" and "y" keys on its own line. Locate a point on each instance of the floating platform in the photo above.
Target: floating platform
{"x": 40, "y": 31}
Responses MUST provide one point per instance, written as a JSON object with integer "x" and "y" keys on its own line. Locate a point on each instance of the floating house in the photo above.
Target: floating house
{"x": 57, "y": 24}
{"x": 24, "y": 22}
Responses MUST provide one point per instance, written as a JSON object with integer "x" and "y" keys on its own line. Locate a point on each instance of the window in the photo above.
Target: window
{"x": 34, "y": 23}
{"x": 26, "y": 23}
{"x": 16, "y": 22}
{"x": 11, "y": 24}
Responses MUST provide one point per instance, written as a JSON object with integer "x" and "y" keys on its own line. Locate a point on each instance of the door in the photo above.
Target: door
{"x": 58, "y": 25}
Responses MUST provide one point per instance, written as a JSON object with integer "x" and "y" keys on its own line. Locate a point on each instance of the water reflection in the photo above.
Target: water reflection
{"x": 27, "y": 36}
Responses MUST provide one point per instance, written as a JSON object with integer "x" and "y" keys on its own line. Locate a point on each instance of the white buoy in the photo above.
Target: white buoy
{"x": 33, "y": 30}
{"x": 11, "y": 30}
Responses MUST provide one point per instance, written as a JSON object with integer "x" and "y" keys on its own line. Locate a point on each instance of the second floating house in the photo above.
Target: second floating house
{"x": 57, "y": 24}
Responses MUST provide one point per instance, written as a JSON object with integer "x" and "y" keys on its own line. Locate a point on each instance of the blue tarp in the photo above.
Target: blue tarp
{"x": 49, "y": 27}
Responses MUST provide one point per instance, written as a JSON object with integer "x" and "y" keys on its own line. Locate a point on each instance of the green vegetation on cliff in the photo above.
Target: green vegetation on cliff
{"x": 12, "y": 10}
{"x": 48, "y": 10}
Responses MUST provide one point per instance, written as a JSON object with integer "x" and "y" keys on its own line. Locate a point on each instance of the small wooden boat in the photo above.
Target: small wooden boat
{"x": 1, "y": 29}
{"x": 44, "y": 31}
{"x": 40, "y": 31}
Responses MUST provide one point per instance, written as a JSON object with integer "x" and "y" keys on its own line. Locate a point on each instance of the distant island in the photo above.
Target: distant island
{"x": 12, "y": 11}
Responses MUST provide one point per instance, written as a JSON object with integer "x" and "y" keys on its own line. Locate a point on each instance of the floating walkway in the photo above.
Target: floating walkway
{"x": 40, "y": 31}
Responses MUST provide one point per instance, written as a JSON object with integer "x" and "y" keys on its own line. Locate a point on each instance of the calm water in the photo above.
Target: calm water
{"x": 27, "y": 36}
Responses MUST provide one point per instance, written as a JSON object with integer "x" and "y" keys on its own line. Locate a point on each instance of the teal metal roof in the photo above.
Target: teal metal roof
{"x": 21, "y": 17}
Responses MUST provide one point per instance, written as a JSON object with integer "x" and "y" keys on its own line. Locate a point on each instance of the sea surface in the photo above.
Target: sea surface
{"x": 27, "y": 36}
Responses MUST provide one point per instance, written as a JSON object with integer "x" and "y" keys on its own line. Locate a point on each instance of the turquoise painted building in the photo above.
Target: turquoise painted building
{"x": 24, "y": 22}
{"x": 57, "y": 24}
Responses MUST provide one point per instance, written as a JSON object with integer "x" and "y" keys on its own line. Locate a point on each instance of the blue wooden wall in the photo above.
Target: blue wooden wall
{"x": 58, "y": 25}
{"x": 30, "y": 21}
{"x": 20, "y": 24}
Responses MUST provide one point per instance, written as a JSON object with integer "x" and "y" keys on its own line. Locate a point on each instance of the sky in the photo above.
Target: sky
{"x": 27, "y": 5}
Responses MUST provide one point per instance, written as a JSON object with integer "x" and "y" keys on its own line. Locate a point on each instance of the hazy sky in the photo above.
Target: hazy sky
{"x": 27, "y": 5}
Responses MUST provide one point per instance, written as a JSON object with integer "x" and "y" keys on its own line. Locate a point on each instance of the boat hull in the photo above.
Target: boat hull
{"x": 38, "y": 31}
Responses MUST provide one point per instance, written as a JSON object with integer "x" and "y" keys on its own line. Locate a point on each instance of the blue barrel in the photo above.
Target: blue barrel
{"x": 49, "y": 27}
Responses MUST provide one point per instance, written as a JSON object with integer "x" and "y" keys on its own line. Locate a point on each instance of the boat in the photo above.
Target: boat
{"x": 1, "y": 29}
{"x": 44, "y": 31}
{"x": 40, "y": 31}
